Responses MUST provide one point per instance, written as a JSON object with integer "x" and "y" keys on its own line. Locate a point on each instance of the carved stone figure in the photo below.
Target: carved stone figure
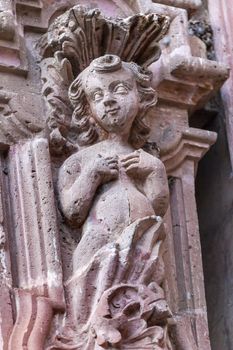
{"x": 117, "y": 193}
{"x": 109, "y": 185}
{"x": 83, "y": 262}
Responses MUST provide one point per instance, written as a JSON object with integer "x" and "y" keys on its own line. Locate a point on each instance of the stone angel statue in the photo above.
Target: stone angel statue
{"x": 111, "y": 183}
{"x": 117, "y": 194}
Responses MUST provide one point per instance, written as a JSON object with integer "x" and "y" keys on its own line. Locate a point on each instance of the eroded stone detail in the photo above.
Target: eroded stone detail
{"x": 12, "y": 46}
{"x": 116, "y": 297}
{"x": 37, "y": 273}
{"x": 105, "y": 187}
{"x": 127, "y": 317}
{"x": 74, "y": 40}
{"x": 7, "y": 25}
{"x": 14, "y": 125}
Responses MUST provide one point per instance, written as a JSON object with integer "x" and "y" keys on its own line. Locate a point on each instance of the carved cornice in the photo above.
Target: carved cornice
{"x": 29, "y": 14}
{"x": 184, "y": 82}
{"x": 196, "y": 79}
{"x": 43, "y": 11}
{"x": 12, "y": 50}
{"x": 181, "y": 71}
{"x": 29, "y": 4}
{"x": 194, "y": 143}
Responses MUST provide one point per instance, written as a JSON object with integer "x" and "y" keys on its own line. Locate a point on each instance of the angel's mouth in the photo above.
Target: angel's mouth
{"x": 113, "y": 110}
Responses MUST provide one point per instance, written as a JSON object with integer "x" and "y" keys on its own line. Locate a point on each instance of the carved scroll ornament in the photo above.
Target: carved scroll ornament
{"x": 111, "y": 192}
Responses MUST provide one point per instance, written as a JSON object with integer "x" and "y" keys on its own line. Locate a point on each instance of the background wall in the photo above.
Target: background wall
{"x": 214, "y": 193}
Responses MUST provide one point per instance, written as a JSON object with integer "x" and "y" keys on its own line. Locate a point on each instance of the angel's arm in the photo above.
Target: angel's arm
{"x": 150, "y": 176}
{"x": 76, "y": 190}
{"x": 156, "y": 188}
{"x": 78, "y": 182}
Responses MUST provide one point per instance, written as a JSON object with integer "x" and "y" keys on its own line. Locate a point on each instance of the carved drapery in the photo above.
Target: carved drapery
{"x": 183, "y": 82}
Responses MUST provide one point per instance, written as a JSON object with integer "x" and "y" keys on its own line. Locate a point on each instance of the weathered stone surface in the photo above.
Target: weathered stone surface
{"x": 92, "y": 249}
{"x": 104, "y": 194}
{"x": 7, "y": 26}
{"x": 64, "y": 59}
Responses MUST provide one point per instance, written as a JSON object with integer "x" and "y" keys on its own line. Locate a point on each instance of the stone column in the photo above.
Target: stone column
{"x": 6, "y": 316}
{"x": 186, "y": 272}
{"x": 35, "y": 253}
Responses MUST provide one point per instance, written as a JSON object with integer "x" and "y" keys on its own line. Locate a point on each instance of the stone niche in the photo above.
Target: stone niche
{"x": 99, "y": 237}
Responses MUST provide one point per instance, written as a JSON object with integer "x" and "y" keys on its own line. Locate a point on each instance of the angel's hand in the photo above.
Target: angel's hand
{"x": 139, "y": 163}
{"x": 105, "y": 168}
{"x": 131, "y": 162}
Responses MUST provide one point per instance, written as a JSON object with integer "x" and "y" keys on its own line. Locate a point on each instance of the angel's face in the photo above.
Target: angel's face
{"x": 113, "y": 99}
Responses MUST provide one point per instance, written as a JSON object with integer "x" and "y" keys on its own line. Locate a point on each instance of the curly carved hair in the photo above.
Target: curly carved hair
{"x": 84, "y": 126}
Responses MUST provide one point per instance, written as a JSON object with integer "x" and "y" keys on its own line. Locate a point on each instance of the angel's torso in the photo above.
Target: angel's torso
{"x": 116, "y": 204}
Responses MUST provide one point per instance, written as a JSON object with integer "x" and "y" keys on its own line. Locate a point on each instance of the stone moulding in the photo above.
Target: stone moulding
{"x": 7, "y": 29}
{"x": 34, "y": 316}
{"x": 193, "y": 145}
{"x": 184, "y": 82}
{"x": 12, "y": 46}
{"x": 199, "y": 68}
{"x": 37, "y": 271}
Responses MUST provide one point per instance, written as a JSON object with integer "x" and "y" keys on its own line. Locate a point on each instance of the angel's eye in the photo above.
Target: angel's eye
{"x": 97, "y": 96}
{"x": 121, "y": 89}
